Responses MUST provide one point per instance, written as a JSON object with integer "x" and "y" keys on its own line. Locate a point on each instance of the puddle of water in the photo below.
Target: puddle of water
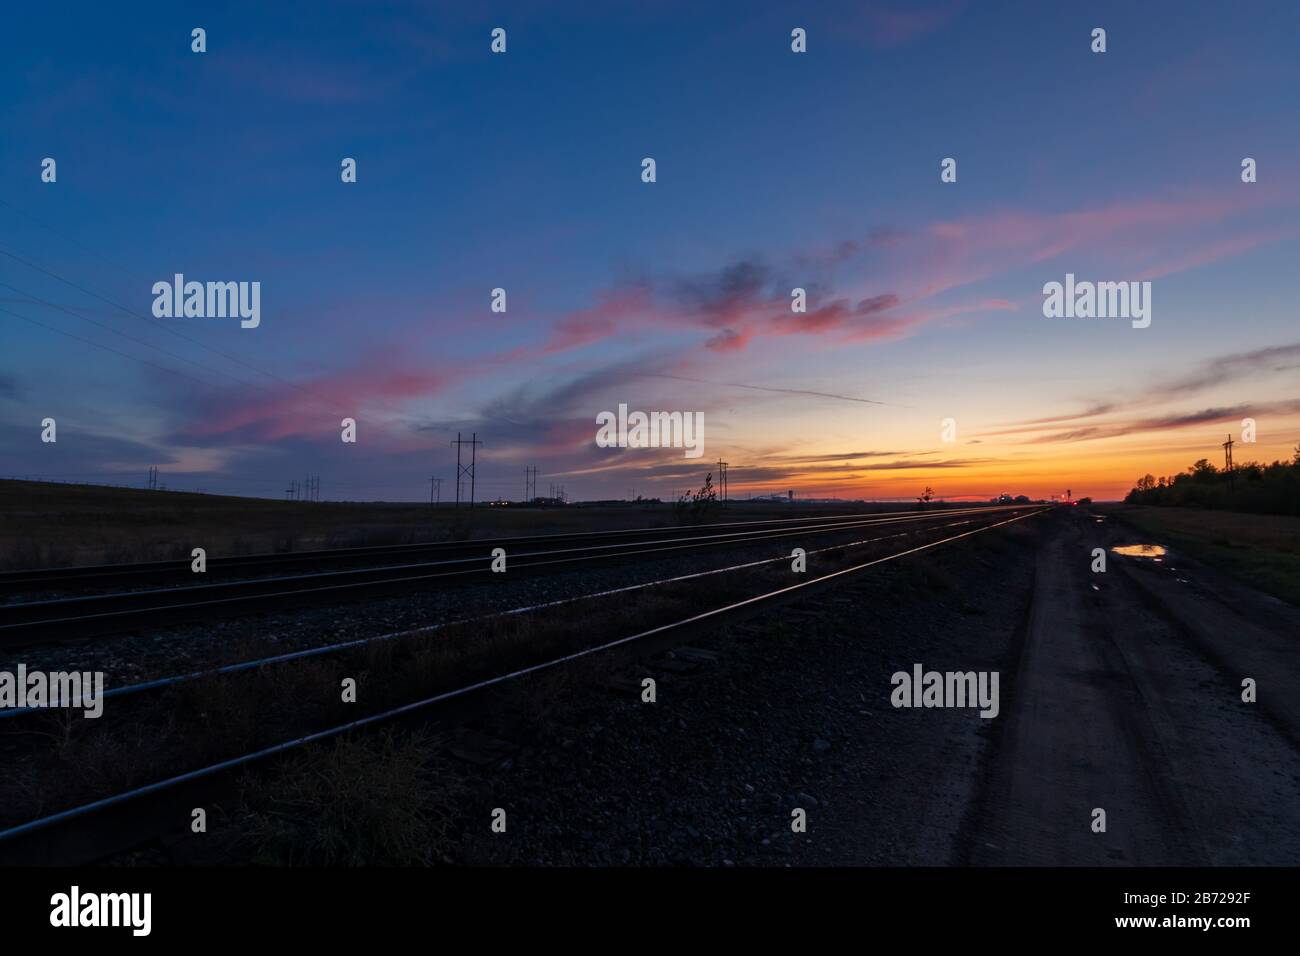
{"x": 1154, "y": 551}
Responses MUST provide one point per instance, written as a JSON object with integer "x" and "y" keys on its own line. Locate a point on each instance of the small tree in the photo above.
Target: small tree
{"x": 693, "y": 508}
{"x": 925, "y": 497}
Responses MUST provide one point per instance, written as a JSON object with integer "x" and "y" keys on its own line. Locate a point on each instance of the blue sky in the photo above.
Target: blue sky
{"x": 522, "y": 170}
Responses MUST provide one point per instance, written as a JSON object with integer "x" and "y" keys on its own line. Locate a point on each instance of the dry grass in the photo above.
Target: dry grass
{"x": 52, "y": 525}
{"x": 383, "y": 798}
{"x": 1263, "y": 550}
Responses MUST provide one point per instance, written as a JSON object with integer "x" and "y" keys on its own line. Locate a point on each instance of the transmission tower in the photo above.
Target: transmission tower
{"x": 463, "y": 471}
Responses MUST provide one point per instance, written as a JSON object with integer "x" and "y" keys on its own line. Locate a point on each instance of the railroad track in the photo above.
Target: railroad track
{"x": 111, "y": 823}
{"x": 162, "y": 683}
{"x": 81, "y": 616}
{"x": 235, "y": 566}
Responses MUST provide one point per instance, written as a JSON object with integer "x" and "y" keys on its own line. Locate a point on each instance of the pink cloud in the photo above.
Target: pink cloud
{"x": 731, "y": 340}
{"x": 894, "y": 25}
{"x": 602, "y": 320}
{"x": 314, "y": 406}
{"x": 1215, "y": 251}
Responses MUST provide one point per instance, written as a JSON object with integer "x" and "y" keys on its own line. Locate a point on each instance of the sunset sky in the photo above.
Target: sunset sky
{"x": 523, "y": 171}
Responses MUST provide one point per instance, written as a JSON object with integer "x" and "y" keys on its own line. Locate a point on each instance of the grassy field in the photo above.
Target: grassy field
{"x": 1263, "y": 550}
{"x": 51, "y": 525}
{"x": 44, "y": 524}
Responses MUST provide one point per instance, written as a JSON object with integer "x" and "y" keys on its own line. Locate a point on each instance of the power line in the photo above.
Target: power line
{"x": 167, "y": 328}
{"x": 128, "y": 355}
{"x": 140, "y": 315}
{"x": 106, "y": 348}
{"x": 149, "y": 319}
{"x": 149, "y": 345}
{"x": 181, "y": 335}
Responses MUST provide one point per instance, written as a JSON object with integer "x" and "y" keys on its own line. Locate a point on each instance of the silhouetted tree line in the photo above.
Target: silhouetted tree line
{"x": 1265, "y": 489}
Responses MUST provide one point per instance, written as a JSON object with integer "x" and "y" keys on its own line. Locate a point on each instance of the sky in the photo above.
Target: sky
{"x": 522, "y": 170}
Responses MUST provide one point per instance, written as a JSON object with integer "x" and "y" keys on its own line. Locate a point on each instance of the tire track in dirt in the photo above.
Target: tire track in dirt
{"x": 1116, "y": 705}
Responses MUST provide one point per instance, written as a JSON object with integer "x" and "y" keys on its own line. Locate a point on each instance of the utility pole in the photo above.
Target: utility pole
{"x": 435, "y": 490}
{"x": 530, "y": 483}
{"x": 722, "y": 481}
{"x": 1227, "y": 465}
{"x": 466, "y": 470}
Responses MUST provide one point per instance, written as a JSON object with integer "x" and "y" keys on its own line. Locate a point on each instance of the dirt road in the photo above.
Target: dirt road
{"x": 1128, "y": 698}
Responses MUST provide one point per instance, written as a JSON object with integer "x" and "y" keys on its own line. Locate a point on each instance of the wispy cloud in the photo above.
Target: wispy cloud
{"x": 1253, "y": 366}
{"x": 1227, "y": 414}
{"x": 771, "y": 388}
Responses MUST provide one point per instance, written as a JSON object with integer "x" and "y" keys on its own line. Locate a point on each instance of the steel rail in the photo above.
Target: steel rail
{"x": 27, "y": 579}
{"x": 118, "y": 611}
{"x": 732, "y": 609}
{"x": 161, "y": 683}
